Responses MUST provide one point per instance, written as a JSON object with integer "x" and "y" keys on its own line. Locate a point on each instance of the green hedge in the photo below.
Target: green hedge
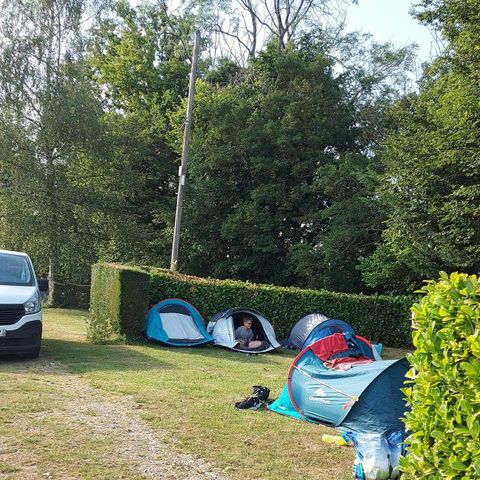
{"x": 66, "y": 295}
{"x": 444, "y": 421}
{"x": 118, "y": 302}
{"x": 383, "y": 319}
{"x": 120, "y": 296}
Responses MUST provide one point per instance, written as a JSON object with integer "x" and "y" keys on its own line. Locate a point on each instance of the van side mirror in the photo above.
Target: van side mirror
{"x": 43, "y": 284}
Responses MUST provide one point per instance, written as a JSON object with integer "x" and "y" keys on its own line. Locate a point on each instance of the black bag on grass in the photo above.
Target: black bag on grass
{"x": 256, "y": 400}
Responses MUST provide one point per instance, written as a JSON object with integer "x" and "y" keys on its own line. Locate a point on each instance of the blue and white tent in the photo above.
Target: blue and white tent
{"x": 223, "y": 324}
{"x": 364, "y": 398}
{"x": 314, "y": 326}
{"x": 177, "y": 323}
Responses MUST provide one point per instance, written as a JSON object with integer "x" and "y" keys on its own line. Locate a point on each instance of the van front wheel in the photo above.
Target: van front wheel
{"x": 32, "y": 355}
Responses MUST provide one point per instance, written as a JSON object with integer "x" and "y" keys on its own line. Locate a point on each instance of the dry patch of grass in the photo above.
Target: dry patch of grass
{"x": 40, "y": 434}
{"x": 185, "y": 395}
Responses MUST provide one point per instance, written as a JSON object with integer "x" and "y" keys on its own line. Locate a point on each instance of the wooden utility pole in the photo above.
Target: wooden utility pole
{"x": 187, "y": 134}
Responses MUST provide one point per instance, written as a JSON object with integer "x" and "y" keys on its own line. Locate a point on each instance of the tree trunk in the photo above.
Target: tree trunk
{"x": 51, "y": 280}
{"x": 53, "y": 227}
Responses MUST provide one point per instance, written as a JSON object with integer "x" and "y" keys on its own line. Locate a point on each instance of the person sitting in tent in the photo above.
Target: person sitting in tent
{"x": 244, "y": 335}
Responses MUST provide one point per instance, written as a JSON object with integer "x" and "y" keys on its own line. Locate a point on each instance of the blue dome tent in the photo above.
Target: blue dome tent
{"x": 314, "y": 326}
{"x": 365, "y": 398}
{"x": 223, "y": 324}
{"x": 325, "y": 329}
{"x": 302, "y": 328}
{"x": 177, "y": 323}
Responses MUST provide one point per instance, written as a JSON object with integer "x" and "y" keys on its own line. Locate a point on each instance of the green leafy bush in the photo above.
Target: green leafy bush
{"x": 381, "y": 318}
{"x": 118, "y": 302}
{"x": 444, "y": 422}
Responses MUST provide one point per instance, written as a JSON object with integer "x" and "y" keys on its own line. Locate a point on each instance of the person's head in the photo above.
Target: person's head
{"x": 247, "y": 322}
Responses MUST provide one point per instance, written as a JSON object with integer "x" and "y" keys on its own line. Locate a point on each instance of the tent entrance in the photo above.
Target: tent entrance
{"x": 257, "y": 328}
{"x": 222, "y": 326}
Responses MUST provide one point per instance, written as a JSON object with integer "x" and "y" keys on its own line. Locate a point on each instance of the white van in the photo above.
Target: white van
{"x": 20, "y": 306}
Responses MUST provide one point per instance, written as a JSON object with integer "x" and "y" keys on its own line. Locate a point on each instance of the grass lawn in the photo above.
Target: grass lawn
{"x": 187, "y": 392}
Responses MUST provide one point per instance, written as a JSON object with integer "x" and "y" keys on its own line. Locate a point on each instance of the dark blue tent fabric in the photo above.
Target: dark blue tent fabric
{"x": 326, "y": 328}
{"x": 366, "y": 398}
{"x": 302, "y": 328}
{"x": 382, "y": 403}
{"x": 177, "y": 323}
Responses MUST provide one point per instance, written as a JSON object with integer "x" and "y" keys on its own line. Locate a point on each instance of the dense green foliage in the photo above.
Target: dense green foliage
{"x": 291, "y": 180}
{"x": 432, "y": 158}
{"x": 71, "y": 296}
{"x": 62, "y": 187}
{"x": 118, "y": 302}
{"x": 120, "y": 295}
{"x": 47, "y": 129}
{"x": 139, "y": 59}
{"x": 278, "y": 189}
{"x": 444, "y": 422}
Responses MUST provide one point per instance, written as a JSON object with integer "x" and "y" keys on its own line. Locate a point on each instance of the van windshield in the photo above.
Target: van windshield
{"x": 15, "y": 270}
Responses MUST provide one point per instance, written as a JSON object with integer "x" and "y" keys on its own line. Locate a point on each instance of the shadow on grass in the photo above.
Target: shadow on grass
{"x": 84, "y": 357}
{"x": 138, "y": 355}
{"x": 212, "y": 352}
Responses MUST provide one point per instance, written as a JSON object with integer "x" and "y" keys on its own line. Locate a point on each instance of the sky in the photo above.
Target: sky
{"x": 389, "y": 20}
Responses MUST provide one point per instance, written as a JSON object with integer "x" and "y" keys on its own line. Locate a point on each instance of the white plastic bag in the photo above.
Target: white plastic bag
{"x": 375, "y": 454}
{"x": 396, "y": 447}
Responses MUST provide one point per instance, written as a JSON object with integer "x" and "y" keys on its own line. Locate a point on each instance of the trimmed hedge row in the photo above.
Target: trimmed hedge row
{"x": 381, "y": 318}
{"x": 121, "y": 295}
{"x": 445, "y": 404}
{"x": 118, "y": 302}
{"x": 68, "y": 295}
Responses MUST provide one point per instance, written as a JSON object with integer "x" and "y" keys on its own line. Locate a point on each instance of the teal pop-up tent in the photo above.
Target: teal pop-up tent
{"x": 283, "y": 404}
{"x": 177, "y": 323}
{"x": 364, "y": 398}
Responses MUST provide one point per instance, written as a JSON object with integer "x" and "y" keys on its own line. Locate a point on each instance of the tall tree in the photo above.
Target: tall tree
{"x": 49, "y": 121}
{"x": 432, "y": 181}
{"x": 256, "y": 152}
{"x": 282, "y": 179}
{"x": 351, "y": 220}
{"x": 242, "y": 28}
{"x": 140, "y": 60}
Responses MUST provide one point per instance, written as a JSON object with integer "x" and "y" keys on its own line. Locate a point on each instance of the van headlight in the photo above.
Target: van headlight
{"x": 33, "y": 304}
